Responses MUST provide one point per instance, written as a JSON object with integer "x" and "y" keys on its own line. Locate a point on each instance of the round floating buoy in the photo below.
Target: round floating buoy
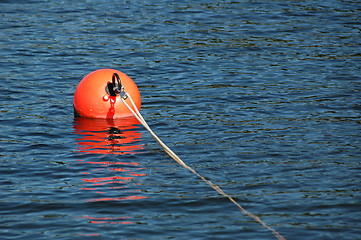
{"x": 97, "y": 95}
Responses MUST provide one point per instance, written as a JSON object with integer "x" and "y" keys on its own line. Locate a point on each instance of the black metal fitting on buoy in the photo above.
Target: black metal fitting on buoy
{"x": 114, "y": 88}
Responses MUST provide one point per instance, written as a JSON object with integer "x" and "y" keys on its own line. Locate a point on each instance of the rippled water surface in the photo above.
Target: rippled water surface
{"x": 260, "y": 97}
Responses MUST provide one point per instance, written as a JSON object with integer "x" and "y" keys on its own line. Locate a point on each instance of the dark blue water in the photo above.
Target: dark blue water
{"x": 261, "y": 97}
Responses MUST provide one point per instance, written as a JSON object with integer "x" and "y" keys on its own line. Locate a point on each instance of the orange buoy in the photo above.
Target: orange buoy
{"x": 97, "y": 95}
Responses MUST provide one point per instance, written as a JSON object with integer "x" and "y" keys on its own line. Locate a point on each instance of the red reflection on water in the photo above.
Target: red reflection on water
{"x": 88, "y": 234}
{"x": 106, "y": 180}
{"x": 110, "y": 136}
{"x": 104, "y": 136}
{"x": 117, "y": 180}
{"x": 106, "y": 163}
{"x": 117, "y": 198}
{"x": 109, "y": 220}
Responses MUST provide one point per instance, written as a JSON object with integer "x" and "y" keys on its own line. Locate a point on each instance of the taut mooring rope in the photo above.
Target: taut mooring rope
{"x": 140, "y": 118}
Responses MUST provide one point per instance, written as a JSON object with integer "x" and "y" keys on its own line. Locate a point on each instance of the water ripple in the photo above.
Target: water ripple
{"x": 262, "y": 98}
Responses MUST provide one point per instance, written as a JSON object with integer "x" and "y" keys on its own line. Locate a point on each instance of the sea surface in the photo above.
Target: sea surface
{"x": 260, "y": 97}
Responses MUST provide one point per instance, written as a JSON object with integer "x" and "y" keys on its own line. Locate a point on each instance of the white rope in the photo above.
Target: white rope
{"x": 140, "y": 118}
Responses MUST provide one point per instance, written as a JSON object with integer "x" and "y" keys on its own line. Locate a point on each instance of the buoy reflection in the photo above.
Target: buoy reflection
{"x": 104, "y": 136}
{"x": 114, "y": 175}
{"x": 109, "y": 220}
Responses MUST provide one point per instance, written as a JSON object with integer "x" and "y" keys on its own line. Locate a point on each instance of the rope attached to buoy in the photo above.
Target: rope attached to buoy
{"x": 140, "y": 118}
